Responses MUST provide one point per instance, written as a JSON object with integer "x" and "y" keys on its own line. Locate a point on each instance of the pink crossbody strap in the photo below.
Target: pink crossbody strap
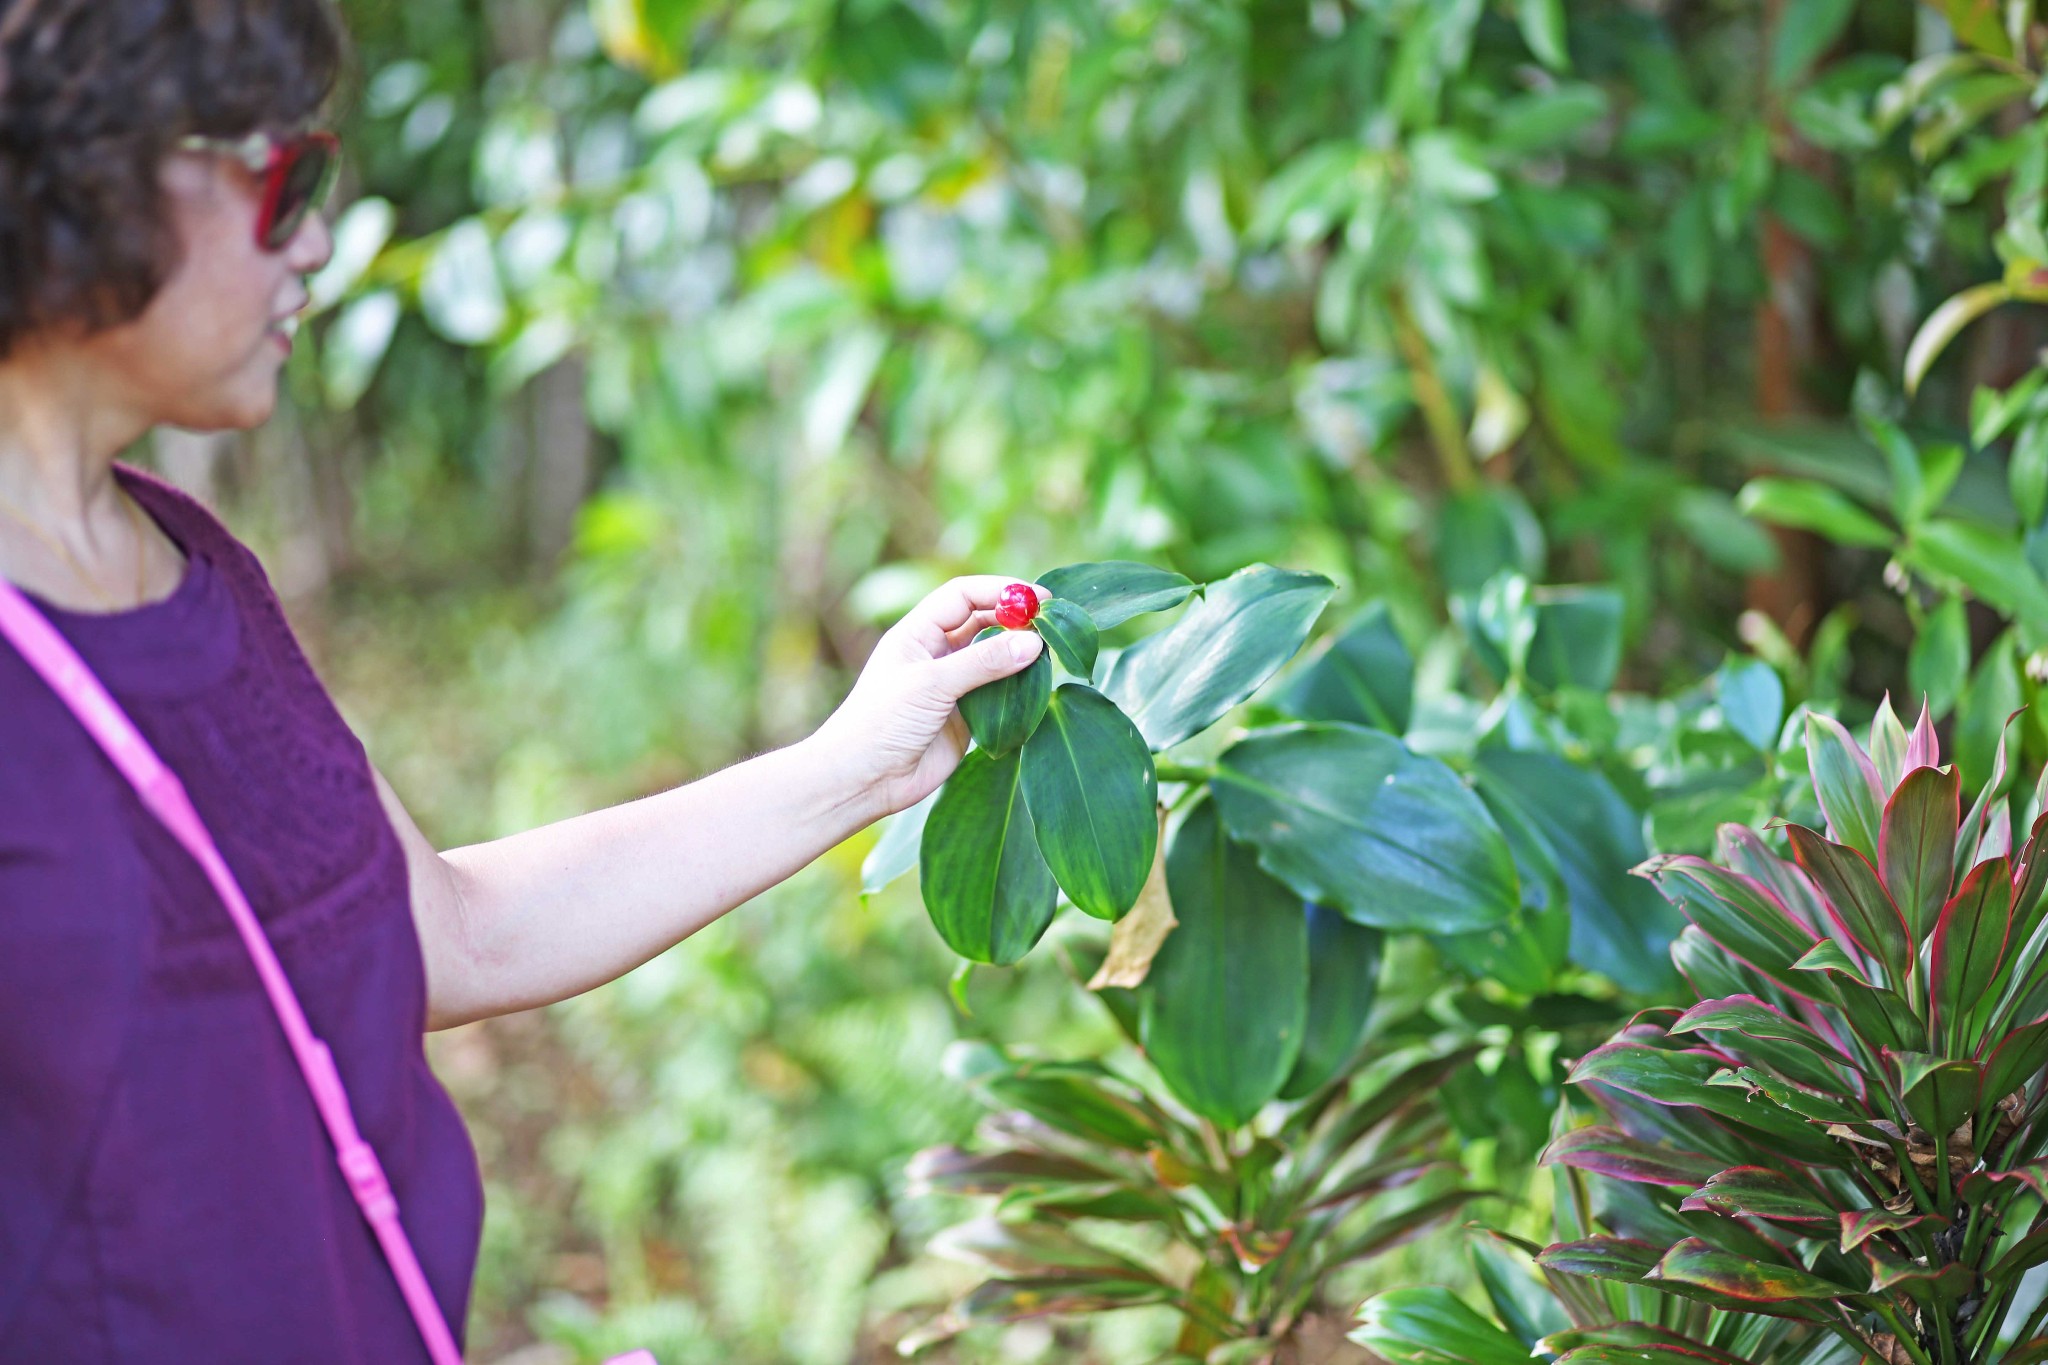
{"x": 51, "y": 656}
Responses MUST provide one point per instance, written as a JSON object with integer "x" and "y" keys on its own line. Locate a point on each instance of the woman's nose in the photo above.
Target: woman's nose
{"x": 311, "y": 246}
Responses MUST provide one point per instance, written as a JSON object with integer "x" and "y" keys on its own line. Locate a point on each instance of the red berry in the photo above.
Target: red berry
{"x": 1017, "y": 605}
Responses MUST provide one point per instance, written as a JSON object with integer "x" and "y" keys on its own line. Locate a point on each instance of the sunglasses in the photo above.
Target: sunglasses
{"x": 297, "y": 172}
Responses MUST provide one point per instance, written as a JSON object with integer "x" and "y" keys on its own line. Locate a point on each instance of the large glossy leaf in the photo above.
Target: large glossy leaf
{"x": 1613, "y": 1153}
{"x": 1429, "y": 1325}
{"x": 1737, "y": 913}
{"x": 1880, "y": 1015}
{"x": 1351, "y": 819}
{"x": 1226, "y": 1001}
{"x": 987, "y": 889}
{"x": 1070, "y": 634}
{"x": 1969, "y": 943}
{"x": 1524, "y": 952}
{"x": 1093, "y": 794}
{"x": 1179, "y": 682}
{"x": 1916, "y": 846}
{"x": 1759, "y": 1192}
{"x": 1364, "y": 677}
{"x": 1742, "y": 1282}
{"x": 1343, "y": 979}
{"x": 1858, "y": 901}
{"x": 1001, "y": 715}
{"x": 1114, "y": 591}
{"x": 1620, "y": 926}
{"x": 2015, "y": 1061}
{"x": 1845, "y": 782}
{"x": 1578, "y": 637}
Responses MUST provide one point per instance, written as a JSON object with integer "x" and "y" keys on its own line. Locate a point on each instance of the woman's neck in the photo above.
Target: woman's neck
{"x": 66, "y": 531}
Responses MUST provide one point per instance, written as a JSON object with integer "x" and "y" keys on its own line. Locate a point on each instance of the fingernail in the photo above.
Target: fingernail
{"x": 1023, "y": 645}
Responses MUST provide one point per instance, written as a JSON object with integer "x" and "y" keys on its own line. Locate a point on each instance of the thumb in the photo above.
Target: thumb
{"x": 996, "y": 657}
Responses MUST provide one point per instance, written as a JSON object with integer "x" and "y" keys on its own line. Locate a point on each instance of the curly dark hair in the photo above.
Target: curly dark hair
{"x": 93, "y": 94}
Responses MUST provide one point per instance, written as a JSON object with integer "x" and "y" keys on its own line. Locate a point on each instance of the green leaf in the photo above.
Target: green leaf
{"x": 1351, "y": 819}
{"x": 1917, "y": 846}
{"x": 1992, "y": 566}
{"x": 1939, "y": 1093}
{"x": 1093, "y": 795}
{"x": 1879, "y": 1015}
{"x": 1633, "y": 1343}
{"x": 1752, "y": 701}
{"x": 1939, "y": 663}
{"x": 1619, "y": 924}
{"x": 1968, "y": 946}
{"x": 1001, "y": 715}
{"x": 1993, "y": 412}
{"x": 1070, "y": 634}
{"x": 896, "y": 851}
{"x": 1602, "y": 1258}
{"x": 957, "y": 1171}
{"x": 354, "y": 344}
{"x": 2027, "y": 476}
{"x": 1740, "y": 1281}
{"x": 1578, "y": 637}
{"x": 1845, "y": 784}
{"x": 1759, "y": 1192}
{"x": 1943, "y": 324}
{"x": 1017, "y": 1300}
{"x": 1805, "y": 30}
{"x": 1482, "y": 532}
{"x": 1770, "y": 1036}
{"x": 1738, "y": 913}
{"x": 1614, "y": 1154}
{"x": 1860, "y": 1225}
{"x": 1365, "y": 676}
{"x": 1860, "y": 902}
{"x": 1179, "y": 682}
{"x": 1685, "y": 1078}
{"x": 1813, "y": 507}
{"x": 2016, "y": 1061}
{"x": 1020, "y": 1250}
{"x": 985, "y": 885}
{"x": 1430, "y": 1325}
{"x": 1543, "y": 29}
{"x": 1343, "y": 980}
{"x": 1226, "y": 1001}
{"x": 1079, "y": 1098}
{"x": 1114, "y": 591}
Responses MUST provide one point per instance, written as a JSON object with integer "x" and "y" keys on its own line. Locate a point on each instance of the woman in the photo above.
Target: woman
{"x": 167, "y": 1193}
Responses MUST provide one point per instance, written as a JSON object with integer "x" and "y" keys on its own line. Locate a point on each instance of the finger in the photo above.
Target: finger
{"x": 964, "y": 636}
{"x": 996, "y": 657}
{"x": 949, "y": 605}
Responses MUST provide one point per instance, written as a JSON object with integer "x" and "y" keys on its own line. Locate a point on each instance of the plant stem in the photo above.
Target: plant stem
{"x": 1439, "y": 414}
{"x": 1903, "y": 1334}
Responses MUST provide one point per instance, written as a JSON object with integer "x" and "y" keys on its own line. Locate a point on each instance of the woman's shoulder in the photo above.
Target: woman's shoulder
{"x": 187, "y": 519}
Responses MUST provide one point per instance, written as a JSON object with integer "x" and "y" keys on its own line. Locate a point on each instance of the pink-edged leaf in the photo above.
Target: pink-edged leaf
{"x": 1972, "y": 831}
{"x": 2017, "y": 1059}
{"x": 1611, "y": 1152}
{"x": 2028, "y": 1252}
{"x": 1858, "y": 902}
{"x": 1759, "y": 1192}
{"x": 1845, "y": 784}
{"x": 1652, "y": 1353}
{"x": 1820, "y": 1106}
{"x": 1923, "y": 748}
{"x": 1940, "y": 1092}
{"x": 1676, "y": 1078}
{"x": 1712, "y": 971}
{"x": 1969, "y": 943}
{"x": 961, "y": 1172}
{"x": 1602, "y": 1258}
{"x": 1736, "y": 912}
{"x": 1016, "y": 1300}
{"x": 1997, "y": 839}
{"x": 1742, "y": 1282}
{"x": 1928, "y": 1285}
{"x": 1978, "y": 1185}
{"x": 1880, "y": 1015}
{"x": 1887, "y": 746}
{"x": 1771, "y": 1037}
{"x": 1741, "y": 849}
{"x": 1625, "y": 1336}
{"x": 2031, "y": 881}
{"x": 2026, "y": 1353}
{"x": 1863, "y": 1224}
{"x": 1917, "y": 846}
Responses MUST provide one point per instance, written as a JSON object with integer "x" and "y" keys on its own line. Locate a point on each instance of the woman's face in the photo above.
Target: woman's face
{"x": 205, "y": 354}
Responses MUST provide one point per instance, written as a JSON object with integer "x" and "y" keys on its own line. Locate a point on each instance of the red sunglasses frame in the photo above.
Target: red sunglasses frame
{"x": 275, "y": 159}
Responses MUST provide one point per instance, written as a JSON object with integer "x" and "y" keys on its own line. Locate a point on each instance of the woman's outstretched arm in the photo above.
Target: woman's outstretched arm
{"x": 540, "y": 916}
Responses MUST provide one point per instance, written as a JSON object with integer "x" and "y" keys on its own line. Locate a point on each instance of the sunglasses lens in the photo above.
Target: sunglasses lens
{"x": 302, "y": 181}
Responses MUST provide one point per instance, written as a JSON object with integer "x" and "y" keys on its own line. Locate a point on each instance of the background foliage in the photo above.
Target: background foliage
{"x": 673, "y": 347}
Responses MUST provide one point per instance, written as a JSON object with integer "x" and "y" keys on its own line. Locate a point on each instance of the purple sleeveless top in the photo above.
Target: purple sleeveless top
{"x": 167, "y": 1193}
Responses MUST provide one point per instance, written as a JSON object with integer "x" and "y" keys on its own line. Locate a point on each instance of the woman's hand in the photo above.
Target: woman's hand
{"x": 898, "y": 734}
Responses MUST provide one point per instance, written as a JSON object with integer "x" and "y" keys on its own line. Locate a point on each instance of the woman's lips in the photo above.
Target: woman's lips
{"x": 283, "y": 330}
